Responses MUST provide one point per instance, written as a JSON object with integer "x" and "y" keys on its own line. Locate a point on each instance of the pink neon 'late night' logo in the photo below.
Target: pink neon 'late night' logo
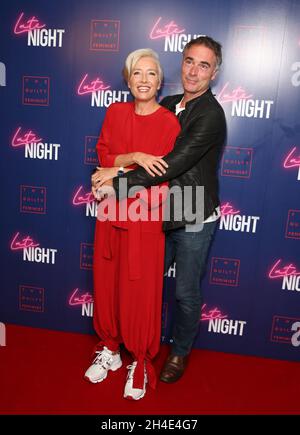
{"x": 288, "y": 270}
{"x": 77, "y": 299}
{"x": 168, "y": 29}
{"x": 26, "y": 242}
{"x": 291, "y": 160}
{"x": 236, "y": 94}
{"x": 29, "y": 137}
{"x": 228, "y": 209}
{"x": 212, "y": 314}
{"x": 31, "y": 24}
{"x": 84, "y": 198}
{"x": 93, "y": 86}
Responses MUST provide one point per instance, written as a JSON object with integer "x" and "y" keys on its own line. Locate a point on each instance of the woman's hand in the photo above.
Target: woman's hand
{"x": 95, "y": 193}
{"x": 152, "y": 164}
{"x": 102, "y": 175}
{"x": 106, "y": 190}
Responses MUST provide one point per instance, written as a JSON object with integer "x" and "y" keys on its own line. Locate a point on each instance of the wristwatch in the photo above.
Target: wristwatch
{"x": 120, "y": 171}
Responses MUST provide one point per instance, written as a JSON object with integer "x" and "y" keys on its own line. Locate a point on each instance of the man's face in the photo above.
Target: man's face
{"x": 198, "y": 69}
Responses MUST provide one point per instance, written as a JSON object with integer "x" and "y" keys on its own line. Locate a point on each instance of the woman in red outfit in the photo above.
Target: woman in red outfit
{"x": 129, "y": 253}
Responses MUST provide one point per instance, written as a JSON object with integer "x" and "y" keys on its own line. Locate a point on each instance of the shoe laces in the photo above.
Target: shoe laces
{"x": 103, "y": 358}
{"x": 131, "y": 369}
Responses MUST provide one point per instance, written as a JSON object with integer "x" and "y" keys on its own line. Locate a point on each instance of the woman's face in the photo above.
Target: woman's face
{"x": 144, "y": 80}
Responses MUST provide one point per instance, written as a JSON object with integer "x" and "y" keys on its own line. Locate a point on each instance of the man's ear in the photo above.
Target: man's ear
{"x": 215, "y": 74}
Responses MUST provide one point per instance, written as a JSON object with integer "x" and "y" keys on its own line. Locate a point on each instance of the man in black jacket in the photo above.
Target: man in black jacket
{"x": 193, "y": 162}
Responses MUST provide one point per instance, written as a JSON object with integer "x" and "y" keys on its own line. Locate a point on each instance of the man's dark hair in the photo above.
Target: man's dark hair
{"x": 208, "y": 42}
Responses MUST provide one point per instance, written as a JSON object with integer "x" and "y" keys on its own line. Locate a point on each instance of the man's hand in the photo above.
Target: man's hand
{"x": 152, "y": 164}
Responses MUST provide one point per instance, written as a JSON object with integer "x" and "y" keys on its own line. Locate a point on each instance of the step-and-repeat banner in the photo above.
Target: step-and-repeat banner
{"x": 60, "y": 68}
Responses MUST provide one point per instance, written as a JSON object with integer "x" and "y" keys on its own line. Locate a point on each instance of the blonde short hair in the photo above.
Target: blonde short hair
{"x": 135, "y": 56}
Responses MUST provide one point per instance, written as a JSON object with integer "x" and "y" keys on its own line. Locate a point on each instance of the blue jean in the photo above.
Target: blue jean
{"x": 189, "y": 250}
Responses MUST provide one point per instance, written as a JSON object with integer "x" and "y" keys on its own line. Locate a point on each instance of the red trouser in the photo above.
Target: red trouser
{"x": 128, "y": 281}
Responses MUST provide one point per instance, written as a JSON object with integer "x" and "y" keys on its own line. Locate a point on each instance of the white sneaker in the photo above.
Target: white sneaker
{"x": 104, "y": 361}
{"x": 129, "y": 391}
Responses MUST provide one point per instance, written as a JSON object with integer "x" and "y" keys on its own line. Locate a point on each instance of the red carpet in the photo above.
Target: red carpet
{"x": 41, "y": 372}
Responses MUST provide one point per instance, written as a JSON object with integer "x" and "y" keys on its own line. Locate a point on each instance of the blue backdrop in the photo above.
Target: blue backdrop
{"x": 60, "y": 68}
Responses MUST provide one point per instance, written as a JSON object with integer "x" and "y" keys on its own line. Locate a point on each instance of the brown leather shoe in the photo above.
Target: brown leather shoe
{"x": 173, "y": 368}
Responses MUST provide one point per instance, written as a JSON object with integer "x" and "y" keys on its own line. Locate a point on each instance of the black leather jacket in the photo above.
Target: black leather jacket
{"x": 194, "y": 159}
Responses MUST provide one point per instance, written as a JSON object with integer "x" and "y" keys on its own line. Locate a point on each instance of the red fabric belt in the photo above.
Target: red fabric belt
{"x": 133, "y": 247}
